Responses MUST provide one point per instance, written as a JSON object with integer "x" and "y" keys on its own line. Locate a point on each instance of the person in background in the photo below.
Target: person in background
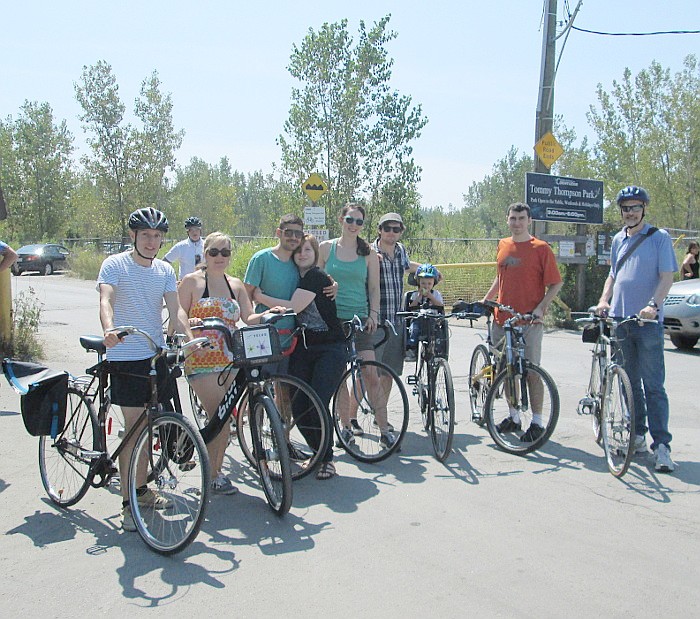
{"x": 689, "y": 268}
{"x": 190, "y": 251}
{"x": 9, "y": 256}
{"x": 639, "y": 286}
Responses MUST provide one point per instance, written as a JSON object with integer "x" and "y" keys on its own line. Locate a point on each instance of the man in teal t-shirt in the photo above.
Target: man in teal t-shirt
{"x": 273, "y": 270}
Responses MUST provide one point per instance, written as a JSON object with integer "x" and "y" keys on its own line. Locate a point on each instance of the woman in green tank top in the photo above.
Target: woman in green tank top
{"x": 351, "y": 262}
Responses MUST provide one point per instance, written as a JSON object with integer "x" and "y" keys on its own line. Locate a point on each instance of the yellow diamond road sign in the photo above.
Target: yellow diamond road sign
{"x": 314, "y": 186}
{"x": 548, "y": 149}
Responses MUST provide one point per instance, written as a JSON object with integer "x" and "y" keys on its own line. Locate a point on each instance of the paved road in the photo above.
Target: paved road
{"x": 549, "y": 535}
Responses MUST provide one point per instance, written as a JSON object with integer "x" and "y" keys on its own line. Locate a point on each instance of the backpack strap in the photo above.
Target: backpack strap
{"x": 637, "y": 243}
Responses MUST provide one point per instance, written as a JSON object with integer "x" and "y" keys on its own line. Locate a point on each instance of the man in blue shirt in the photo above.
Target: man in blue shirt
{"x": 639, "y": 286}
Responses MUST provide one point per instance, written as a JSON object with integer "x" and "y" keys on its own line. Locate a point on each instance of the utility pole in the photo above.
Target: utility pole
{"x": 544, "y": 117}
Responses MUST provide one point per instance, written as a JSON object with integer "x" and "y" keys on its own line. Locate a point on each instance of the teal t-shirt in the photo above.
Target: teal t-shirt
{"x": 352, "y": 284}
{"x": 274, "y": 277}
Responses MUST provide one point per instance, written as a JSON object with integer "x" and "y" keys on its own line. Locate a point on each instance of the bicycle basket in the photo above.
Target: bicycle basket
{"x": 44, "y": 406}
{"x": 256, "y": 345}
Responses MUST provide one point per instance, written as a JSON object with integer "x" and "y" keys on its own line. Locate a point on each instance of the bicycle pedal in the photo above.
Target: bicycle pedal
{"x": 412, "y": 379}
{"x": 586, "y": 406}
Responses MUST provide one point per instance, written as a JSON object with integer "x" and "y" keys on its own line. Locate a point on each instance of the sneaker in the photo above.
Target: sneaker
{"x": 640, "y": 444}
{"x": 387, "y": 439}
{"x": 664, "y": 464}
{"x": 533, "y": 433}
{"x": 223, "y": 485}
{"x": 355, "y": 427}
{"x": 153, "y": 499}
{"x": 508, "y": 425}
{"x": 347, "y": 438}
{"x": 410, "y": 355}
{"x": 128, "y": 523}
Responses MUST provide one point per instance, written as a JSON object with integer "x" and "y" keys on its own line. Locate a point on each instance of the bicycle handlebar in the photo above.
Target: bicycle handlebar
{"x": 609, "y": 320}
{"x": 355, "y": 324}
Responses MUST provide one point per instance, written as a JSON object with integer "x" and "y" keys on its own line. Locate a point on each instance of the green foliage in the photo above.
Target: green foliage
{"x": 24, "y": 343}
{"x": 347, "y": 123}
{"x": 36, "y": 173}
{"x": 85, "y": 263}
{"x": 648, "y": 130}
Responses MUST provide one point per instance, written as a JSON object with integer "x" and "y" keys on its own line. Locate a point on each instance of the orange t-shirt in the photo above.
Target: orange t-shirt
{"x": 525, "y": 270}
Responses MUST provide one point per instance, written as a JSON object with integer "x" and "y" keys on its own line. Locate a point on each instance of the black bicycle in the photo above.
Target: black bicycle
{"x": 519, "y": 386}
{"x": 609, "y": 398}
{"x": 253, "y": 398}
{"x": 371, "y": 394}
{"x": 432, "y": 380}
{"x": 169, "y": 457}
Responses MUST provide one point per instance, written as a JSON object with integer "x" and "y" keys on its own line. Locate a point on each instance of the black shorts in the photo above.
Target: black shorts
{"x": 128, "y": 388}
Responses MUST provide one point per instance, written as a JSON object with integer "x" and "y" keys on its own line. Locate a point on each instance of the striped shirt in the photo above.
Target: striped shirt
{"x": 138, "y": 302}
{"x": 391, "y": 272}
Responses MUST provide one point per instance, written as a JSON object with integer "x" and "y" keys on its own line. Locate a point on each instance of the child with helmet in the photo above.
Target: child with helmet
{"x": 426, "y": 297}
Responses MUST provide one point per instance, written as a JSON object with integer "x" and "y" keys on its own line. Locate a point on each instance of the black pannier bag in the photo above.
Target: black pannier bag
{"x": 43, "y": 404}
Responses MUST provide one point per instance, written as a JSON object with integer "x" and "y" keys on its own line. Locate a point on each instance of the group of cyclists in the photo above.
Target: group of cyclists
{"x": 333, "y": 281}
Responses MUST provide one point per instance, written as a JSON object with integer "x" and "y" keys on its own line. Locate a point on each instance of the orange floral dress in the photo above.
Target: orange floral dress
{"x": 216, "y": 357}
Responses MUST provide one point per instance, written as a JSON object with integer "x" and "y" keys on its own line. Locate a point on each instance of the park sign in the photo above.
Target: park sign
{"x": 561, "y": 198}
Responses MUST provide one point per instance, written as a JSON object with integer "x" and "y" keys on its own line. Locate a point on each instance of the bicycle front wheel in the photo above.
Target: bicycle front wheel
{"x": 442, "y": 409}
{"x": 594, "y": 393}
{"x": 421, "y": 390}
{"x": 374, "y": 396}
{"x": 480, "y": 379}
{"x": 169, "y": 483}
{"x": 617, "y": 421}
{"x": 532, "y": 394}
{"x": 271, "y": 453}
{"x": 65, "y": 462}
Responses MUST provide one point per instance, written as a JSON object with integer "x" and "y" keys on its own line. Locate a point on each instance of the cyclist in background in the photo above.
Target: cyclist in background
{"x": 188, "y": 253}
{"x": 528, "y": 280}
{"x": 639, "y": 286}
{"x": 132, "y": 287}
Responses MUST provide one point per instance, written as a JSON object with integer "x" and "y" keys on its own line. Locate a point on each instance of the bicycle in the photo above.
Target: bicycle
{"x": 253, "y": 396}
{"x": 518, "y": 386}
{"x": 482, "y": 369}
{"x": 432, "y": 381}
{"x": 609, "y": 398}
{"x": 169, "y": 456}
{"x": 378, "y": 395}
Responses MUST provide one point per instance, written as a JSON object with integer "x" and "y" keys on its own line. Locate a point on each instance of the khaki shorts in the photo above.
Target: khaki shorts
{"x": 533, "y": 340}
{"x": 391, "y": 352}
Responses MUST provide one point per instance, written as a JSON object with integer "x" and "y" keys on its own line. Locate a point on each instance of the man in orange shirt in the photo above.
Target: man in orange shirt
{"x": 528, "y": 280}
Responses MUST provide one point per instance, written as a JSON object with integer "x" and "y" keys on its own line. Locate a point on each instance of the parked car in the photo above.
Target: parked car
{"x": 45, "y": 258}
{"x": 682, "y": 313}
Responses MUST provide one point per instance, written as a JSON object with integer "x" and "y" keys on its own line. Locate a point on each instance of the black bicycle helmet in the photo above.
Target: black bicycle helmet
{"x": 193, "y": 222}
{"x": 633, "y": 192}
{"x": 148, "y": 219}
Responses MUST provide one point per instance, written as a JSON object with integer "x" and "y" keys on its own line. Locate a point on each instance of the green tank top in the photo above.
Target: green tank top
{"x": 352, "y": 284}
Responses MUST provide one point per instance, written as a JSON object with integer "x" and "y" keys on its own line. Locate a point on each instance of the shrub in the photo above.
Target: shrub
{"x": 24, "y": 344}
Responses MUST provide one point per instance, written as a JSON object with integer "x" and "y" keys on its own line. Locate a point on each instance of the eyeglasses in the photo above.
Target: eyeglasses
{"x": 388, "y": 228}
{"x": 357, "y": 220}
{"x": 293, "y": 233}
{"x": 635, "y": 208}
{"x": 215, "y": 251}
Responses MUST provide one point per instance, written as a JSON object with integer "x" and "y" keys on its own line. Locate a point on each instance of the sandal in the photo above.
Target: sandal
{"x": 326, "y": 471}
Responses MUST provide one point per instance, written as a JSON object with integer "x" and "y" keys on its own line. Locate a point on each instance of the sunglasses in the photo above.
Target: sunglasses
{"x": 289, "y": 233}
{"x": 356, "y": 220}
{"x": 388, "y": 228}
{"x": 215, "y": 251}
{"x": 632, "y": 209}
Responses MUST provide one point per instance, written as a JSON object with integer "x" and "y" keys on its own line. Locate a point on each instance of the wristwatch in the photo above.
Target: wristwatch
{"x": 652, "y": 303}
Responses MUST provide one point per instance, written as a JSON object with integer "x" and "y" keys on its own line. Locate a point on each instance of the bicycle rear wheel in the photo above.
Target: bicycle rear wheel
{"x": 421, "y": 390}
{"x": 198, "y": 412}
{"x": 65, "y": 462}
{"x": 175, "y": 466}
{"x": 516, "y": 393}
{"x": 617, "y": 425}
{"x": 594, "y": 393}
{"x": 375, "y": 391}
{"x": 442, "y": 409}
{"x": 480, "y": 379}
{"x": 271, "y": 453}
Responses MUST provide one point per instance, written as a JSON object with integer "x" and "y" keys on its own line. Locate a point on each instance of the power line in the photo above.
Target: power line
{"x": 635, "y": 34}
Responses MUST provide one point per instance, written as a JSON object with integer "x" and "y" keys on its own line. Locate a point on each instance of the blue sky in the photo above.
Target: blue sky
{"x": 474, "y": 67}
